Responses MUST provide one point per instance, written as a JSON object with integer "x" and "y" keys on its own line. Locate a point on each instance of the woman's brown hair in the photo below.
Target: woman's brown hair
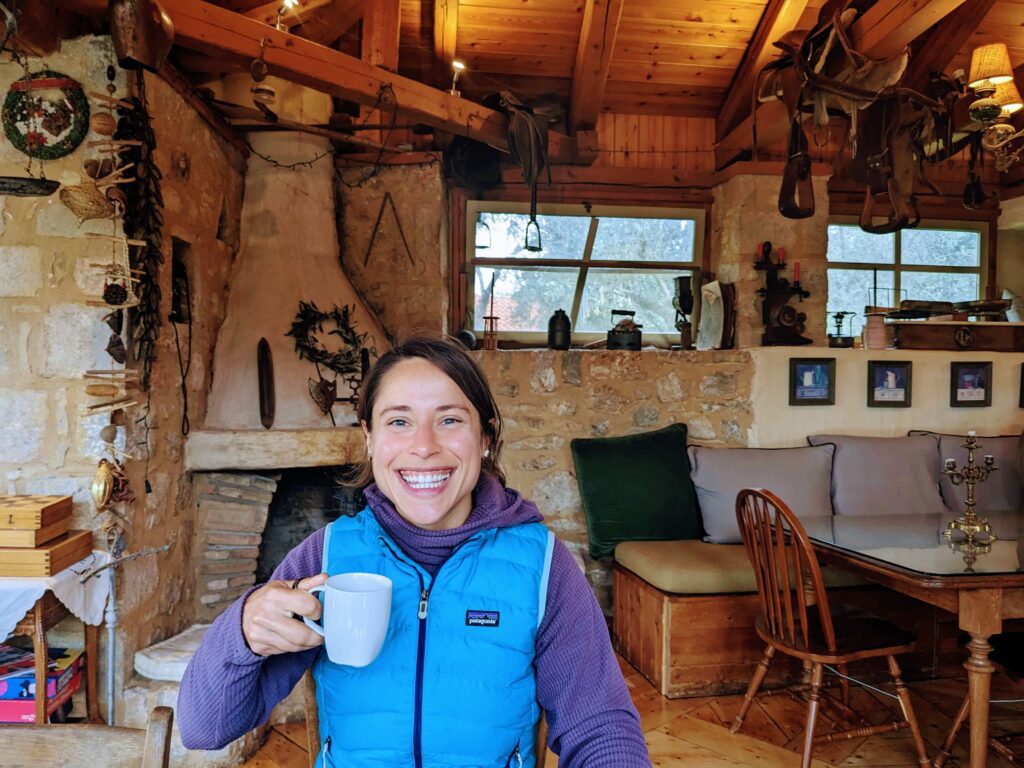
{"x": 452, "y": 359}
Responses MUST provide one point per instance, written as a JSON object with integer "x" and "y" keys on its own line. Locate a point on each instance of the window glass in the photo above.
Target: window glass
{"x": 940, "y": 247}
{"x": 850, "y": 243}
{"x": 647, "y": 294}
{"x": 524, "y": 299}
{"x": 644, "y": 240}
{"x": 940, "y": 286}
{"x": 850, "y": 290}
{"x": 503, "y": 236}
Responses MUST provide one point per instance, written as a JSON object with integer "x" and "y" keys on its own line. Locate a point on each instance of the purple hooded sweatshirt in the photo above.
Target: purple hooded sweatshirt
{"x": 228, "y": 690}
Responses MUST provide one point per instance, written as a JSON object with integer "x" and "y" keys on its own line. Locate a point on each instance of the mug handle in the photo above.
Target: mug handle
{"x": 309, "y": 622}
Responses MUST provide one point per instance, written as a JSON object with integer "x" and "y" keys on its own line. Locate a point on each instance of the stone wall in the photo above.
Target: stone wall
{"x": 547, "y": 398}
{"x": 231, "y": 515}
{"x": 407, "y": 294}
{"x": 49, "y": 337}
{"x": 746, "y": 213}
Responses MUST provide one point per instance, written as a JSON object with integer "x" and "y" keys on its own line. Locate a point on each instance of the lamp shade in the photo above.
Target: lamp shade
{"x": 992, "y": 63}
{"x": 1008, "y": 98}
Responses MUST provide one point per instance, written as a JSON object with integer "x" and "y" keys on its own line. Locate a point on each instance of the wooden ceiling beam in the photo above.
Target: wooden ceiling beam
{"x": 290, "y": 17}
{"x": 209, "y": 29}
{"x": 446, "y": 28}
{"x": 882, "y": 31}
{"x": 780, "y": 17}
{"x": 937, "y": 48}
{"x": 593, "y": 60}
{"x": 331, "y": 22}
{"x": 381, "y": 27}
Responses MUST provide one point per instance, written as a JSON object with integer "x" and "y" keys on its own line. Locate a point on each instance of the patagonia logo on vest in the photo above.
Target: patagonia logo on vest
{"x": 483, "y": 618}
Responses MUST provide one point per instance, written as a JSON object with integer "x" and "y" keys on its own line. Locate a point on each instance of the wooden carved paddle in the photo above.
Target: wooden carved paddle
{"x": 265, "y": 374}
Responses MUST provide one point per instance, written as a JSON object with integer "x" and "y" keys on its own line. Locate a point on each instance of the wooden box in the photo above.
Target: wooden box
{"x": 706, "y": 645}
{"x": 956, "y": 336}
{"x": 32, "y": 513}
{"x": 52, "y": 557}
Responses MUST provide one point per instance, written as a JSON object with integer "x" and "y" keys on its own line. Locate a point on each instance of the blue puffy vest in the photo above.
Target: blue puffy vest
{"x": 454, "y": 682}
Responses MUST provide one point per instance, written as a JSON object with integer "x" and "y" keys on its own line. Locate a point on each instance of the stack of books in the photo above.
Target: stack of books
{"x": 18, "y": 681}
{"x": 35, "y": 539}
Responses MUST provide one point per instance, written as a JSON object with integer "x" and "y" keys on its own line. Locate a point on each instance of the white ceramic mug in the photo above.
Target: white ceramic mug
{"x": 357, "y": 607}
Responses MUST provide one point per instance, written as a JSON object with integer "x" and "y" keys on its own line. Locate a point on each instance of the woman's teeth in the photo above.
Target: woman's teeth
{"x": 424, "y": 480}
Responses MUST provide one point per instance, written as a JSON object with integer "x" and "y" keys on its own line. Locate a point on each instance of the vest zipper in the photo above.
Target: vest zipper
{"x": 417, "y": 731}
{"x": 514, "y": 756}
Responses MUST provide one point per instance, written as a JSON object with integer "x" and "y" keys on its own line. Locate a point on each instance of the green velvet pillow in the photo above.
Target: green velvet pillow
{"x": 636, "y": 488}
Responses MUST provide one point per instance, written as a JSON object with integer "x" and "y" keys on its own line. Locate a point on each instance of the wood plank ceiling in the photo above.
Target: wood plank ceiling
{"x": 669, "y": 57}
{"x": 662, "y": 57}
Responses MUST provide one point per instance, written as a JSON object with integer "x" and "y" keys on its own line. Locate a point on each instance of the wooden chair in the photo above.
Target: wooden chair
{"x": 796, "y": 619}
{"x": 1008, "y": 656}
{"x": 88, "y": 746}
{"x": 313, "y": 724}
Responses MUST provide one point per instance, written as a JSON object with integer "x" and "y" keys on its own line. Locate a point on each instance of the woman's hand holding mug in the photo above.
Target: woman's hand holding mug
{"x": 269, "y": 617}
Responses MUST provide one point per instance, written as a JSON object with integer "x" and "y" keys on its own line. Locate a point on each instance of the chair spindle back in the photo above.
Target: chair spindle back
{"x": 789, "y": 581}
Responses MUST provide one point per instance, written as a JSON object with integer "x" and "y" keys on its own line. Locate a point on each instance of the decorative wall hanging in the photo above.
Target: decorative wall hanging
{"x": 265, "y": 374}
{"x": 93, "y": 199}
{"x": 783, "y": 323}
{"x": 812, "y": 381}
{"x": 46, "y": 114}
{"x": 970, "y": 385}
{"x": 889, "y": 383}
{"x": 143, "y": 220}
{"x": 350, "y": 361}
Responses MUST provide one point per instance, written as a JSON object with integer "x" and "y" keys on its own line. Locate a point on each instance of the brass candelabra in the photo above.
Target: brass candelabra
{"x": 969, "y": 523}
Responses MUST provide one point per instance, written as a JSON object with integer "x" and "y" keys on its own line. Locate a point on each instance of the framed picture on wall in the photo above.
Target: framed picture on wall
{"x": 970, "y": 385}
{"x": 812, "y": 381}
{"x": 889, "y": 383}
{"x": 1020, "y": 401}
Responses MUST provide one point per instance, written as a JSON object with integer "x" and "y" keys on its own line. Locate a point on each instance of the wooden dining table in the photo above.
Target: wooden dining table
{"x": 983, "y": 586}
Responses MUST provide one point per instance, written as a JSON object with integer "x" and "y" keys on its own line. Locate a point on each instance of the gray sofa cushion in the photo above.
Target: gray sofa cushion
{"x": 1001, "y": 492}
{"x": 884, "y": 475}
{"x": 801, "y": 477}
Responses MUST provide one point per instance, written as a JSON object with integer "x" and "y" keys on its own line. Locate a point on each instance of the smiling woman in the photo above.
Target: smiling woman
{"x": 491, "y": 620}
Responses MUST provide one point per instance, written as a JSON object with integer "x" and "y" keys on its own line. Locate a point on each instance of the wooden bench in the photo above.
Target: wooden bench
{"x": 684, "y": 615}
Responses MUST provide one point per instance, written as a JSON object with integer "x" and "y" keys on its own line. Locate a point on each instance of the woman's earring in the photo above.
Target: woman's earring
{"x": 487, "y": 452}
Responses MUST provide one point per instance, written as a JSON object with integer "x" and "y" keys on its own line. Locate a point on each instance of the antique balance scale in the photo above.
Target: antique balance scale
{"x": 977, "y": 532}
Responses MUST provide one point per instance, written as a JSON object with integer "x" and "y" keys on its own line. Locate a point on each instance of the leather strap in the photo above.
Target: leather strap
{"x": 796, "y": 195}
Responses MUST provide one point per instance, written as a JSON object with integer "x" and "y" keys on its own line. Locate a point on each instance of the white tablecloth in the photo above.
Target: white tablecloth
{"x": 86, "y": 601}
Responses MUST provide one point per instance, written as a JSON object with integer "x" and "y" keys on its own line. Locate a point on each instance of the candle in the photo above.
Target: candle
{"x": 971, "y": 433}
{"x": 796, "y": 272}
{"x": 950, "y": 463}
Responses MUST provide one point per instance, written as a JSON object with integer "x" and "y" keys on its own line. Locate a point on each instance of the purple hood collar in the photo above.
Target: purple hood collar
{"x": 494, "y": 506}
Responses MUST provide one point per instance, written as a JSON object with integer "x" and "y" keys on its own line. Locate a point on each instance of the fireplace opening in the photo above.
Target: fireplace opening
{"x": 306, "y": 499}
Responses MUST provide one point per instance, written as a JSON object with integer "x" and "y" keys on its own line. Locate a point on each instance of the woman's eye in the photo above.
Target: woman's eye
{"x": 397, "y": 423}
{"x": 449, "y": 420}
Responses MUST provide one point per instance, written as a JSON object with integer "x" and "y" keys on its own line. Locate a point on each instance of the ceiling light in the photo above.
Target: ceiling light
{"x": 286, "y": 5}
{"x": 1008, "y": 98}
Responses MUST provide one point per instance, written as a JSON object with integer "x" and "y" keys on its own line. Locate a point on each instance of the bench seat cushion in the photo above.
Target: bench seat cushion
{"x": 694, "y": 567}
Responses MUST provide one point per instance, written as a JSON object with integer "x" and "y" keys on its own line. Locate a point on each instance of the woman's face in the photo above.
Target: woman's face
{"x": 426, "y": 445}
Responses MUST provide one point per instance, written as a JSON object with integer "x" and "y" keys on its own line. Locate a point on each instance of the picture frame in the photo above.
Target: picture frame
{"x": 812, "y": 381}
{"x": 970, "y": 385}
{"x": 1020, "y": 400}
{"x": 889, "y": 383}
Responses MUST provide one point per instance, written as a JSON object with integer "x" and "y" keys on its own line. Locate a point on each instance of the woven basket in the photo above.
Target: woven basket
{"x": 86, "y": 201}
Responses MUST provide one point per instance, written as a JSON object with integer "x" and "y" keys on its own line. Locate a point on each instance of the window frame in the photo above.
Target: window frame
{"x": 897, "y": 267}
{"x": 474, "y": 207}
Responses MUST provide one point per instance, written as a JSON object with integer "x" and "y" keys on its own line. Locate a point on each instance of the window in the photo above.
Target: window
{"x": 934, "y": 262}
{"x": 593, "y": 259}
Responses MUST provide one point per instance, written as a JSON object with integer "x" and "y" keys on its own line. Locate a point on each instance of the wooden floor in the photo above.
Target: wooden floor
{"x": 693, "y": 732}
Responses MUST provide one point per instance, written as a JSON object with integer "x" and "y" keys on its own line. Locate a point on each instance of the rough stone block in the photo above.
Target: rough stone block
{"x": 231, "y": 517}
{"x": 21, "y": 270}
{"x": 23, "y": 419}
{"x": 228, "y": 566}
{"x": 232, "y": 539}
{"x": 74, "y": 340}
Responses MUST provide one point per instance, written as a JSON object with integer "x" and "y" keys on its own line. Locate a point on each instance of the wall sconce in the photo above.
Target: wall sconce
{"x": 286, "y": 5}
{"x": 457, "y": 69}
{"x": 991, "y": 79}
{"x": 990, "y": 67}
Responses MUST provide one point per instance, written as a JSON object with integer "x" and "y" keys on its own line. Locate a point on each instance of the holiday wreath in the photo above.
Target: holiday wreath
{"x": 310, "y": 320}
{"x": 43, "y": 126}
